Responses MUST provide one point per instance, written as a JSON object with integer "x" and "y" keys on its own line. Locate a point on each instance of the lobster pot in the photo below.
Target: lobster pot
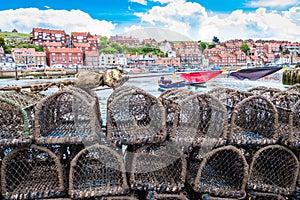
{"x": 170, "y": 100}
{"x": 284, "y": 103}
{"x": 68, "y": 116}
{"x": 294, "y": 136}
{"x": 156, "y": 196}
{"x": 274, "y": 169}
{"x": 17, "y": 118}
{"x": 229, "y": 97}
{"x": 295, "y": 88}
{"x": 264, "y": 91}
{"x": 159, "y": 168}
{"x": 31, "y": 173}
{"x": 135, "y": 117}
{"x": 97, "y": 171}
{"x": 254, "y": 121}
{"x": 201, "y": 120}
{"x": 222, "y": 172}
{"x": 119, "y": 198}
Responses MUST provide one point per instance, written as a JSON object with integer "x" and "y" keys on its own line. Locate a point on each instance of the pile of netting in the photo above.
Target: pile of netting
{"x": 222, "y": 144}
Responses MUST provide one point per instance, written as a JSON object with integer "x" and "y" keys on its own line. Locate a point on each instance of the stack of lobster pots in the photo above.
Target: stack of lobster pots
{"x": 222, "y": 144}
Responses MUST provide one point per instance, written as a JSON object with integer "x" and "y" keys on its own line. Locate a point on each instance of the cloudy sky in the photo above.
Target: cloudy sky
{"x": 198, "y": 19}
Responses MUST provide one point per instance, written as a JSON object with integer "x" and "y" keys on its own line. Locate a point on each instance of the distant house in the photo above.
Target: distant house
{"x": 64, "y": 56}
{"x": 24, "y": 56}
{"x": 92, "y": 58}
{"x": 14, "y": 30}
{"x": 40, "y": 35}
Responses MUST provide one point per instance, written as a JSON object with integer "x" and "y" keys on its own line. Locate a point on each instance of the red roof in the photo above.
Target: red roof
{"x": 77, "y": 44}
{"x": 53, "y": 44}
{"x": 64, "y": 50}
{"x": 73, "y": 34}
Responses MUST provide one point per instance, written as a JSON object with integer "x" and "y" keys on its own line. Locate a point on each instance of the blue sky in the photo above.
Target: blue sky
{"x": 199, "y": 19}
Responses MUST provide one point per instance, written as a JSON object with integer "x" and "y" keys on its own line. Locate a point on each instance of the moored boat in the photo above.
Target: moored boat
{"x": 169, "y": 84}
{"x": 254, "y": 73}
{"x": 199, "y": 78}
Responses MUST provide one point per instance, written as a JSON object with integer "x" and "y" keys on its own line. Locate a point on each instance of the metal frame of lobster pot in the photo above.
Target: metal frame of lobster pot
{"x": 284, "y": 102}
{"x": 135, "y": 117}
{"x": 199, "y": 119}
{"x": 170, "y": 99}
{"x": 229, "y": 97}
{"x": 295, "y": 87}
{"x": 254, "y": 121}
{"x": 68, "y": 116}
{"x": 274, "y": 169}
{"x": 294, "y": 121}
{"x": 97, "y": 171}
{"x": 31, "y": 173}
{"x": 158, "y": 167}
{"x": 120, "y": 198}
{"x": 264, "y": 91}
{"x": 222, "y": 172}
{"x": 17, "y": 118}
{"x": 156, "y": 196}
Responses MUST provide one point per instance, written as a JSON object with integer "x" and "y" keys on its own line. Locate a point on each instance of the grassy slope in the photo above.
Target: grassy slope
{"x": 14, "y": 35}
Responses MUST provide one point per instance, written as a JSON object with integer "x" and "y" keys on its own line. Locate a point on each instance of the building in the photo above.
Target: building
{"x": 24, "y": 57}
{"x": 39, "y": 36}
{"x": 80, "y": 37}
{"x": 65, "y": 57}
{"x": 190, "y": 57}
{"x": 40, "y": 59}
{"x": 168, "y": 61}
{"x": 92, "y": 59}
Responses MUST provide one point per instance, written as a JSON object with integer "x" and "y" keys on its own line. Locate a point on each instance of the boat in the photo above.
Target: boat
{"x": 169, "y": 84}
{"x": 199, "y": 78}
{"x": 254, "y": 73}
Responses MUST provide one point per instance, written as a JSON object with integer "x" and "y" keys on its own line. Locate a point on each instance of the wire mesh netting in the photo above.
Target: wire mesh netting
{"x": 156, "y": 196}
{"x": 254, "y": 121}
{"x": 68, "y": 116}
{"x": 284, "y": 103}
{"x": 97, "y": 171}
{"x": 274, "y": 169}
{"x": 135, "y": 117}
{"x": 221, "y": 172}
{"x": 31, "y": 173}
{"x": 17, "y": 117}
{"x": 159, "y": 168}
{"x": 264, "y": 91}
{"x": 295, "y": 87}
{"x": 200, "y": 120}
{"x": 294, "y": 136}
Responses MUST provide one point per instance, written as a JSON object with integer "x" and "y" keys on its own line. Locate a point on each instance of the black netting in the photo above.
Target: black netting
{"x": 158, "y": 168}
{"x": 222, "y": 172}
{"x": 97, "y": 171}
{"x": 68, "y": 116}
{"x": 254, "y": 121}
{"x": 135, "y": 117}
{"x": 274, "y": 169}
{"x": 31, "y": 173}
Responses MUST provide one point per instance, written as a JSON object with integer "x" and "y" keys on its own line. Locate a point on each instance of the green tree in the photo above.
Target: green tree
{"x": 216, "y": 40}
{"x": 2, "y": 41}
{"x": 109, "y": 50}
{"x": 245, "y": 48}
{"x": 211, "y": 45}
{"x": 202, "y": 46}
{"x": 103, "y": 43}
{"x": 117, "y": 46}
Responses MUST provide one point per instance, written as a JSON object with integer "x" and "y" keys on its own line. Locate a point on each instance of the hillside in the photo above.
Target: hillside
{"x": 14, "y": 35}
{"x": 159, "y": 34}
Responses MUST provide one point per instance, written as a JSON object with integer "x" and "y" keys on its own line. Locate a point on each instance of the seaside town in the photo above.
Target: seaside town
{"x": 56, "y": 49}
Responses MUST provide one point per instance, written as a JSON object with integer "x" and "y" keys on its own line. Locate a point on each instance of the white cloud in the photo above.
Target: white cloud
{"x": 176, "y": 16}
{"x": 143, "y": 2}
{"x": 272, "y": 3}
{"x": 131, "y": 28}
{"x": 47, "y": 7}
{"x": 194, "y": 21}
{"x": 24, "y": 19}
